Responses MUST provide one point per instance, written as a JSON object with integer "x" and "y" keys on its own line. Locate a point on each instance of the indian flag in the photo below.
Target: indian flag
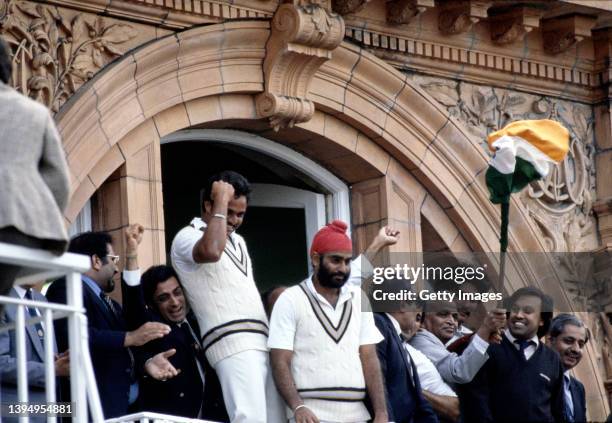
{"x": 525, "y": 151}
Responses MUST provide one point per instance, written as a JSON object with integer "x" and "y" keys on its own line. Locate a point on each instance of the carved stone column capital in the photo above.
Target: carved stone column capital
{"x": 302, "y": 39}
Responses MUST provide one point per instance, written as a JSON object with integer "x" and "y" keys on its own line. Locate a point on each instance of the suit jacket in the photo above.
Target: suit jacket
{"x": 33, "y": 170}
{"x": 35, "y": 359}
{"x": 578, "y": 399}
{"x": 184, "y": 394}
{"x": 405, "y": 402}
{"x": 111, "y": 361}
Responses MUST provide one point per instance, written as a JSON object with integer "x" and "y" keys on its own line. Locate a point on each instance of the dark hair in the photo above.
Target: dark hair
{"x": 153, "y": 277}
{"x": 239, "y": 182}
{"x": 91, "y": 243}
{"x": 5, "y": 61}
{"x": 546, "y": 308}
{"x": 561, "y": 320}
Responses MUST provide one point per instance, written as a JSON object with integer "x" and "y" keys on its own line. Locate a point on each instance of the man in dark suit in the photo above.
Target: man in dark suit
{"x": 110, "y": 341}
{"x": 178, "y": 379}
{"x": 405, "y": 401}
{"x": 569, "y": 336}
{"x": 35, "y": 353}
{"x": 523, "y": 379}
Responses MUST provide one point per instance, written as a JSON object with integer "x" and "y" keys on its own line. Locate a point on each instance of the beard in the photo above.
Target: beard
{"x": 328, "y": 279}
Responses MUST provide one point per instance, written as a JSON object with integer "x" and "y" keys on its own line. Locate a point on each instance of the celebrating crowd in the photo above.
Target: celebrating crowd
{"x": 195, "y": 339}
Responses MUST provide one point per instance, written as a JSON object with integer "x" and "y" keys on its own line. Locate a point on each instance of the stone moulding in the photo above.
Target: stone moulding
{"x": 171, "y": 14}
{"x": 302, "y": 39}
{"x": 439, "y": 55}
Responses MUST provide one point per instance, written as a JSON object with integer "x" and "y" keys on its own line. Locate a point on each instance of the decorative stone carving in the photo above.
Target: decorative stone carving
{"x": 457, "y": 16}
{"x": 402, "y": 11}
{"x": 562, "y": 32}
{"x": 53, "y": 55}
{"x": 562, "y": 204}
{"x": 302, "y": 39}
{"x": 344, "y": 7}
{"x": 509, "y": 24}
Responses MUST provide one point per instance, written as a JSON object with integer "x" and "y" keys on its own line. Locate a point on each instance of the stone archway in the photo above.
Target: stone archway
{"x": 208, "y": 75}
{"x": 401, "y": 153}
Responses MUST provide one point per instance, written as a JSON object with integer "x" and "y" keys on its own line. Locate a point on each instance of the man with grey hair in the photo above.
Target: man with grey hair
{"x": 438, "y": 326}
{"x": 568, "y": 336}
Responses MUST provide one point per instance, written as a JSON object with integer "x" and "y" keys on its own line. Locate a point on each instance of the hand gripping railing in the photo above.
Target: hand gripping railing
{"x": 83, "y": 386}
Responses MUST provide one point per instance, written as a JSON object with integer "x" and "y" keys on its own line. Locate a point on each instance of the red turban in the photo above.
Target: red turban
{"x": 332, "y": 237}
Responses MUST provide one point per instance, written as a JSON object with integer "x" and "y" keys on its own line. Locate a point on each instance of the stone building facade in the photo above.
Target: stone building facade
{"x": 369, "y": 110}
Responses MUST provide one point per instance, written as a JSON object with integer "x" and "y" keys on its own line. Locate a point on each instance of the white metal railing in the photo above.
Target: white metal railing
{"x": 147, "y": 417}
{"x": 42, "y": 265}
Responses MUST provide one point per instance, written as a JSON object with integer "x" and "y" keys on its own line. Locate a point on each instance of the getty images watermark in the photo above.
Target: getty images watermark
{"x": 575, "y": 281}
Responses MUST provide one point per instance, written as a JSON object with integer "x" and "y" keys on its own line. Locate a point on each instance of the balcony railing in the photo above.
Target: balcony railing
{"x": 40, "y": 266}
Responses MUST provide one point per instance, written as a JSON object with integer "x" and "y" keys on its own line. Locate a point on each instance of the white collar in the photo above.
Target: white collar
{"x": 21, "y": 291}
{"x": 345, "y": 293}
{"x": 511, "y": 338}
{"x": 198, "y": 224}
{"x": 395, "y": 323}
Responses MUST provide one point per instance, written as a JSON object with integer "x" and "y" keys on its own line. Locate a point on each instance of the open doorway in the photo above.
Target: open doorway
{"x": 292, "y": 196}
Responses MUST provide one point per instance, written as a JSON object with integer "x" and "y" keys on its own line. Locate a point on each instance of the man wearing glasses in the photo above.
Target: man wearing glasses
{"x": 109, "y": 340}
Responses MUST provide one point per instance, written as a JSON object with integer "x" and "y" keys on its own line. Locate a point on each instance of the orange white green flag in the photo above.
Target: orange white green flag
{"x": 524, "y": 151}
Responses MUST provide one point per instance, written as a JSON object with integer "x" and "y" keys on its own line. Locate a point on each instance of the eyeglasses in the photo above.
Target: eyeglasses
{"x": 114, "y": 259}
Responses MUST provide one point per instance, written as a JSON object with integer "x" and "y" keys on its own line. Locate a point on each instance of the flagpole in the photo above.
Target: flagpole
{"x": 503, "y": 241}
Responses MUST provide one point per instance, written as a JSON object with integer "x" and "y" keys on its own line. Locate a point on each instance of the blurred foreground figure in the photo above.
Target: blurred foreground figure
{"x": 34, "y": 181}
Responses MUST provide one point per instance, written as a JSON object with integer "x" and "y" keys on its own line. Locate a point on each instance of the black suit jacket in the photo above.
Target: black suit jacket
{"x": 578, "y": 399}
{"x": 405, "y": 401}
{"x": 184, "y": 394}
{"x": 110, "y": 359}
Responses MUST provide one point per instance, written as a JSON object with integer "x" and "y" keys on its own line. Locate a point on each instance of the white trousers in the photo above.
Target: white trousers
{"x": 248, "y": 390}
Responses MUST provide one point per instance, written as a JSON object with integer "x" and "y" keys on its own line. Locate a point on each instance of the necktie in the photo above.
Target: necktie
{"x": 32, "y": 311}
{"x": 109, "y": 303}
{"x": 567, "y": 403}
{"x": 523, "y": 344}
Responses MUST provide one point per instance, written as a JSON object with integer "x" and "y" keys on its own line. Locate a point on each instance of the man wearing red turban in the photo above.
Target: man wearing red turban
{"x": 323, "y": 348}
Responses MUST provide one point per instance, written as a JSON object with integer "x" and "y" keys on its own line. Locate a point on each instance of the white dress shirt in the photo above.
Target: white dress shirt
{"x": 530, "y": 350}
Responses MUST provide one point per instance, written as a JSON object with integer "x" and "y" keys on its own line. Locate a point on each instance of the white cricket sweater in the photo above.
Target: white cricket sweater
{"x": 326, "y": 366}
{"x": 223, "y": 296}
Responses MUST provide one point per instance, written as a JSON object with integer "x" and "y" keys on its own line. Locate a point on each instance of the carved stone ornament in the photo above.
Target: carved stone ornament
{"x": 344, "y": 7}
{"x": 561, "y": 33}
{"x": 53, "y": 55}
{"x": 402, "y": 11}
{"x": 302, "y": 39}
{"x": 561, "y": 204}
{"x": 457, "y": 16}
{"x": 508, "y": 25}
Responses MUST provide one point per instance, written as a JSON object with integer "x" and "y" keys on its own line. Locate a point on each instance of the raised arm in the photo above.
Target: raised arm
{"x": 210, "y": 247}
